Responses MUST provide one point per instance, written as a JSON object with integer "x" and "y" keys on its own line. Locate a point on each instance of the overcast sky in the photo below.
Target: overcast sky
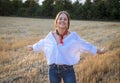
{"x": 40, "y": 1}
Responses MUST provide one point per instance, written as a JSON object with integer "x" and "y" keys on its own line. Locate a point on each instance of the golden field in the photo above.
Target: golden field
{"x": 18, "y": 65}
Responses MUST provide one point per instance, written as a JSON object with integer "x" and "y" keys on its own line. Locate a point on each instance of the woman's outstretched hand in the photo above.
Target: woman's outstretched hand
{"x": 101, "y": 51}
{"x": 30, "y": 48}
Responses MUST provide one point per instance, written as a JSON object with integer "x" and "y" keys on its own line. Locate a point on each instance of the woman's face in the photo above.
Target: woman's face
{"x": 62, "y": 21}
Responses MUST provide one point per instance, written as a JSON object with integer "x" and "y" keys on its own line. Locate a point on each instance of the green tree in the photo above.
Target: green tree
{"x": 5, "y": 7}
{"x": 30, "y": 7}
{"x": 47, "y": 8}
{"x": 100, "y": 9}
{"x": 38, "y": 12}
{"x": 87, "y": 9}
{"x": 77, "y": 12}
{"x": 113, "y": 9}
{"x": 60, "y": 5}
{"x": 16, "y": 4}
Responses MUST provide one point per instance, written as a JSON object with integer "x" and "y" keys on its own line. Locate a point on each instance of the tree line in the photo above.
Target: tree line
{"x": 96, "y": 10}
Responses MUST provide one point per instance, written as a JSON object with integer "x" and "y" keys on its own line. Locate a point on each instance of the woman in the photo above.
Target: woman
{"x": 62, "y": 49}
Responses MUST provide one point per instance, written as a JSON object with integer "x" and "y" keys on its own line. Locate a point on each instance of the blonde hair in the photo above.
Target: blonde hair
{"x": 57, "y": 16}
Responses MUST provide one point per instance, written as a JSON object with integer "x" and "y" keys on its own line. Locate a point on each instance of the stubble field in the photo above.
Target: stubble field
{"x": 17, "y": 65}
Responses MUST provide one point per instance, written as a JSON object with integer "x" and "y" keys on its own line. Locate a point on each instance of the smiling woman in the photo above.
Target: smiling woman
{"x": 62, "y": 49}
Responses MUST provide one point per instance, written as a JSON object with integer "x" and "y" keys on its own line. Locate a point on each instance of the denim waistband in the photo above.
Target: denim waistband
{"x": 61, "y": 66}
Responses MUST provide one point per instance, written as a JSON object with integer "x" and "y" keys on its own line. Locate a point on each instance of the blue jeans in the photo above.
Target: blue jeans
{"x": 58, "y": 72}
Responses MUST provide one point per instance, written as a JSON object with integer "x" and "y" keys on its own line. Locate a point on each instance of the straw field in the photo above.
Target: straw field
{"x": 18, "y": 65}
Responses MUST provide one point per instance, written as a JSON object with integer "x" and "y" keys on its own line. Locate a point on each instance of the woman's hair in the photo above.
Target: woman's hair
{"x": 57, "y": 16}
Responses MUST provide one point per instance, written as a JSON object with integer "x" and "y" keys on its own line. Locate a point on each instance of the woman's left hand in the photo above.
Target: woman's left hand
{"x": 101, "y": 51}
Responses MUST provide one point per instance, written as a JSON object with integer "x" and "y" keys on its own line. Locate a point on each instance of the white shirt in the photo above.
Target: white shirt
{"x": 68, "y": 53}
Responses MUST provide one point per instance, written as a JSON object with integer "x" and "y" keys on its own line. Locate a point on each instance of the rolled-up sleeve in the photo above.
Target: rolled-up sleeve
{"x": 39, "y": 46}
{"x": 86, "y": 46}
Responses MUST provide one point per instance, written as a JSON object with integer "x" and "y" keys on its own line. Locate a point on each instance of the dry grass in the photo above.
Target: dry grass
{"x": 101, "y": 68}
{"x": 19, "y": 65}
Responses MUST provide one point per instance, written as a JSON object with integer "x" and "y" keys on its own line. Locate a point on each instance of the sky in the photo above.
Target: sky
{"x": 40, "y": 1}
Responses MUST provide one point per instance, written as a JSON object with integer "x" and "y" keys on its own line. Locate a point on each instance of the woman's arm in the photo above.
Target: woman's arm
{"x": 101, "y": 51}
{"x": 37, "y": 47}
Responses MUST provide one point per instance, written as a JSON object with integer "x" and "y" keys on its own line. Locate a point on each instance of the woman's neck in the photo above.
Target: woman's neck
{"x": 61, "y": 31}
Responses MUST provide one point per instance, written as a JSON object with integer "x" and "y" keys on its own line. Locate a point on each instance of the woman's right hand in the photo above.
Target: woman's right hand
{"x": 30, "y": 48}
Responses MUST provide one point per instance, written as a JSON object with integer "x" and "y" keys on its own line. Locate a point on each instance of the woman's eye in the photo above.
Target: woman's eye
{"x": 65, "y": 19}
{"x": 60, "y": 19}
